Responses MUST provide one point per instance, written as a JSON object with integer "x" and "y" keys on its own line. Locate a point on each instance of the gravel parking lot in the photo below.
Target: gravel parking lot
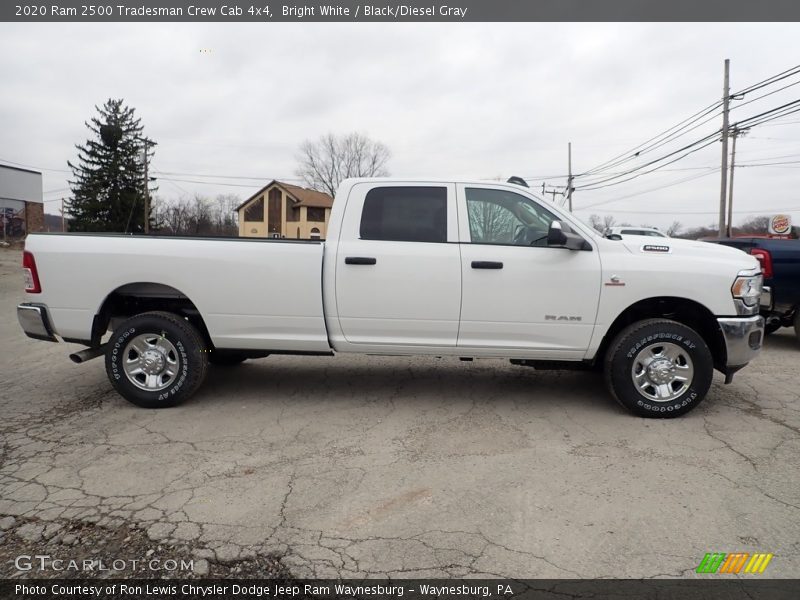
{"x": 357, "y": 466}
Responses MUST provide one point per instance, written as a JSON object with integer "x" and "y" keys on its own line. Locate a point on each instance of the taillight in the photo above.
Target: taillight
{"x": 765, "y": 258}
{"x": 32, "y": 285}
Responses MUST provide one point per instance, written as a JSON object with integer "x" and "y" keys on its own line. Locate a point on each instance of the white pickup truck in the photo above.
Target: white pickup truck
{"x": 465, "y": 269}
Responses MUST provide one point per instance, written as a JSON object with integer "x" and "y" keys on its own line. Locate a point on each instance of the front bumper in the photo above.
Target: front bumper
{"x": 34, "y": 321}
{"x": 743, "y": 337}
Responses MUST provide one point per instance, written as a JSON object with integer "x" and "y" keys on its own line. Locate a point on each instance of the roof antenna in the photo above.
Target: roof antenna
{"x": 515, "y": 179}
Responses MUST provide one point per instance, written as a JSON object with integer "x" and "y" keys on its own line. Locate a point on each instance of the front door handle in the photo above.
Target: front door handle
{"x": 360, "y": 260}
{"x": 486, "y": 264}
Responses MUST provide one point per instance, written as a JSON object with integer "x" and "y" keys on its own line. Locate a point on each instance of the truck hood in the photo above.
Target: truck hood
{"x": 641, "y": 244}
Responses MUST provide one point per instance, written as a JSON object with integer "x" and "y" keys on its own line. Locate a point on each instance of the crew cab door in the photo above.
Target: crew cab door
{"x": 398, "y": 266}
{"x": 518, "y": 293}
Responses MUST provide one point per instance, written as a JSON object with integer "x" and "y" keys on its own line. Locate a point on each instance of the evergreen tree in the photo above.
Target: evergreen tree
{"x": 109, "y": 178}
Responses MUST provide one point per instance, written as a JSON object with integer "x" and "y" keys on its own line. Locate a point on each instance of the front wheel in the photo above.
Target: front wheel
{"x": 658, "y": 368}
{"x": 156, "y": 360}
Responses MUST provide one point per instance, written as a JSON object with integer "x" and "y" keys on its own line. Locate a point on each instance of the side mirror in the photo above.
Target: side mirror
{"x": 561, "y": 236}
{"x": 555, "y": 235}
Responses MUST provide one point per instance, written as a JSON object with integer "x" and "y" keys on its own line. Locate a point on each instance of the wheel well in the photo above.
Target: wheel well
{"x": 135, "y": 298}
{"x": 688, "y": 312}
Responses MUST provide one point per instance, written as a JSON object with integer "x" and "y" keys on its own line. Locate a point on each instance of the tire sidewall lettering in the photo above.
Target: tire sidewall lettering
{"x": 658, "y": 337}
{"x": 116, "y": 353}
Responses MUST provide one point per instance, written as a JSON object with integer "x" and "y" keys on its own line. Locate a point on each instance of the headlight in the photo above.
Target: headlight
{"x": 748, "y": 289}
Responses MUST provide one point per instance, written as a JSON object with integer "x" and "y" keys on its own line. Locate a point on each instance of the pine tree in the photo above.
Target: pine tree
{"x": 109, "y": 177}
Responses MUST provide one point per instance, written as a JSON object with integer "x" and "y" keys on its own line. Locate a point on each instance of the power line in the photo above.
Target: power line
{"x": 222, "y": 183}
{"x": 678, "y": 213}
{"x": 710, "y": 170}
{"x": 777, "y": 125}
{"x": 790, "y": 162}
{"x": 635, "y": 152}
{"x": 767, "y": 94}
{"x": 769, "y": 115}
{"x": 773, "y": 157}
{"x": 769, "y": 81}
{"x": 17, "y": 164}
{"x": 706, "y": 141}
{"x": 242, "y": 177}
{"x": 763, "y": 117}
{"x": 684, "y": 127}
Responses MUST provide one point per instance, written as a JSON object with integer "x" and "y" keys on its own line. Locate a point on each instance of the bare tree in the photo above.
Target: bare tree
{"x": 696, "y": 233}
{"x": 491, "y": 223}
{"x": 674, "y": 228}
{"x": 602, "y": 223}
{"x": 198, "y": 216}
{"x": 326, "y": 162}
{"x": 757, "y": 225}
{"x": 596, "y": 222}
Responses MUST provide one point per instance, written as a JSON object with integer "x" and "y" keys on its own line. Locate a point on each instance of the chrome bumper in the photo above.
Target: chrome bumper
{"x": 743, "y": 338}
{"x": 34, "y": 322}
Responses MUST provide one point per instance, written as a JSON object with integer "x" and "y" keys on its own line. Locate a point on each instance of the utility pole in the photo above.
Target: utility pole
{"x": 63, "y": 228}
{"x": 735, "y": 134}
{"x": 553, "y": 193}
{"x": 569, "y": 175}
{"x": 146, "y": 193}
{"x": 147, "y": 143}
{"x": 724, "y": 168}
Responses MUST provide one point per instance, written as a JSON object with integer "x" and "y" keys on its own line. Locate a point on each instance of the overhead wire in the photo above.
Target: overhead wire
{"x": 768, "y": 81}
{"x": 681, "y": 129}
{"x": 695, "y": 146}
{"x": 709, "y": 171}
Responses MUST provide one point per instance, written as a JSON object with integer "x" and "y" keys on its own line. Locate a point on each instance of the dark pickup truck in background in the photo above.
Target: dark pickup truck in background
{"x": 780, "y": 263}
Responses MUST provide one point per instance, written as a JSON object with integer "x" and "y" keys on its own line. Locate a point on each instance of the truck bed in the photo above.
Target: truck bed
{"x": 253, "y": 293}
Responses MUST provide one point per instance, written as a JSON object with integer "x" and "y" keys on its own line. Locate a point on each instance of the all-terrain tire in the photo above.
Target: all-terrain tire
{"x": 150, "y": 341}
{"x": 638, "y": 367}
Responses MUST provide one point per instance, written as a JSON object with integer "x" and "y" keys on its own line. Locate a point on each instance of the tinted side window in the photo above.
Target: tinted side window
{"x": 405, "y": 214}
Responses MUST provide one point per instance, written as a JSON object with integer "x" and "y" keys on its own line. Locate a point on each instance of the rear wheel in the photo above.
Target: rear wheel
{"x": 658, "y": 368}
{"x": 156, "y": 360}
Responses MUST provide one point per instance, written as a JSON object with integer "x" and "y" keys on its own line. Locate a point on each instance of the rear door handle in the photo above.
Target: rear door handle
{"x": 486, "y": 264}
{"x": 360, "y": 260}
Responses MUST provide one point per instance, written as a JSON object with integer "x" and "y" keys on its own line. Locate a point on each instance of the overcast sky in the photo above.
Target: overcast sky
{"x": 450, "y": 100}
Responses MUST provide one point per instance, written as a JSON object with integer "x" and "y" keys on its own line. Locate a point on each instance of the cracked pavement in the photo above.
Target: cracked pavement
{"x": 406, "y": 467}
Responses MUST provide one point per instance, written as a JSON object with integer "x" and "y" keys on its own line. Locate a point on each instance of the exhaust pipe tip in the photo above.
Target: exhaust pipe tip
{"x": 87, "y": 354}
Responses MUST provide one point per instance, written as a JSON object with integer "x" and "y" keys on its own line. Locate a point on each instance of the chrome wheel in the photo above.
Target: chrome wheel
{"x": 150, "y": 362}
{"x": 662, "y": 372}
